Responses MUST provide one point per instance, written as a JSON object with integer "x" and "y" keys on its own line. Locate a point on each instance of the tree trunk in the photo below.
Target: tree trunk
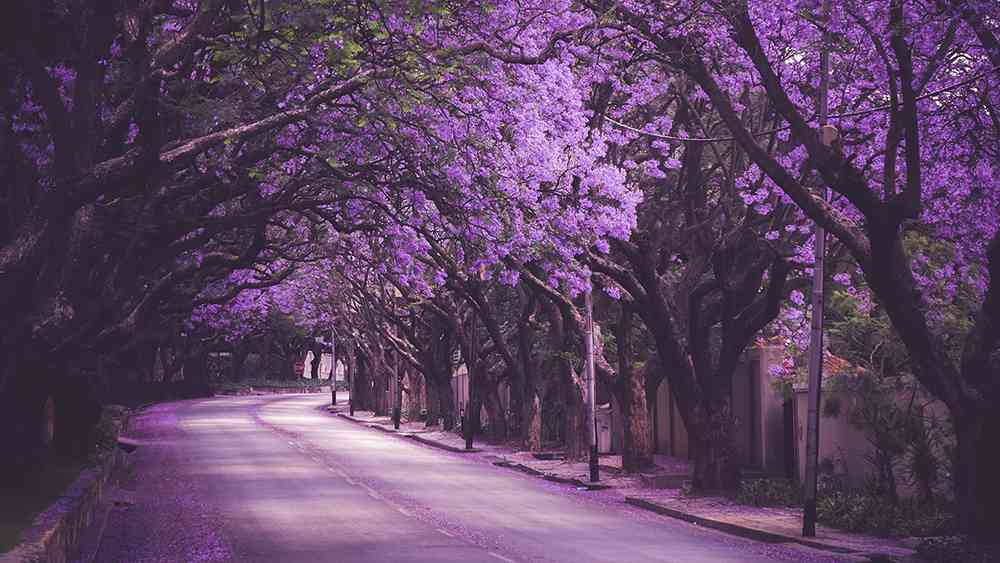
{"x": 414, "y": 392}
{"x": 146, "y": 362}
{"x": 498, "y": 431}
{"x": 317, "y": 351}
{"x": 576, "y": 420}
{"x": 517, "y": 420}
{"x": 363, "y": 385}
{"x": 447, "y": 402}
{"x": 383, "y": 398}
{"x": 350, "y": 368}
{"x": 715, "y": 467}
{"x": 265, "y": 357}
{"x": 239, "y": 360}
{"x": 475, "y": 406}
{"x": 76, "y": 415}
{"x": 531, "y": 423}
{"x": 169, "y": 363}
{"x": 637, "y": 451}
{"x": 23, "y": 395}
{"x": 380, "y": 380}
{"x": 433, "y": 404}
{"x": 977, "y": 488}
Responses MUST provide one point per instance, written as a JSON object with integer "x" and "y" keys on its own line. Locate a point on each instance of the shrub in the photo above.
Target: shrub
{"x": 768, "y": 492}
{"x": 230, "y": 386}
{"x": 109, "y": 427}
{"x": 858, "y": 511}
{"x": 956, "y": 549}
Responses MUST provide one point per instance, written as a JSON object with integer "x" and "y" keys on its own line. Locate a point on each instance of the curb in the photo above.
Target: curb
{"x": 736, "y": 529}
{"x": 434, "y": 444}
{"x": 410, "y": 435}
{"x": 278, "y": 390}
{"x": 519, "y": 467}
{"x": 553, "y": 478}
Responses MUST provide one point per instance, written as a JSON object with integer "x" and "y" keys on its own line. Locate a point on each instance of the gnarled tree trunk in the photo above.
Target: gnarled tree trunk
{"x": 630, "y": 392}
{"x": 715, "y": 466}
{"x": 531, "y": 423}
{"x": 977, "y": 488}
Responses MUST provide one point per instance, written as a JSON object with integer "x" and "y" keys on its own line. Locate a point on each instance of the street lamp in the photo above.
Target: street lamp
{"x": 333, "y": 367}
{"x": 828, "y": 135}
{"x": 351, "y": 376}
{"x": 591, "y": 383}
{"x": 471, "y": 368}
{"x": 397, "y": 410}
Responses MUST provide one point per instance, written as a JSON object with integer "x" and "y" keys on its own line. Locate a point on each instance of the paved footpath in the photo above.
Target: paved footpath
{"x": 277, "y": 478}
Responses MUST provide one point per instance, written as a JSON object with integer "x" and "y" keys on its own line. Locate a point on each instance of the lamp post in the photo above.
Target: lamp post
{"x": 351, "y": 376}
{"x": 473, "y": 367}
{"x": 333, "y": 367}
{"x": 828, "y": 135}
{"x": 397, "y": 410}
{"x": 591, "y": 384}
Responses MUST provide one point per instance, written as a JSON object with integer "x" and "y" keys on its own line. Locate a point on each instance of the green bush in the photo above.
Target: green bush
{"x": 768, "y": 492}
{"x": 956, "y": 549}
{"x": 858, "y": 511}
{"x": 109, "y": 427}
{"x": 231, "y": 386}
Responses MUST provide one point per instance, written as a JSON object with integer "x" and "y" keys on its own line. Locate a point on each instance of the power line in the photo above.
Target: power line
{"x": 786, "y": 127}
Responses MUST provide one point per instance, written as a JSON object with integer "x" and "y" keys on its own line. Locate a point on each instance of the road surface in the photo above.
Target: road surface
{"x": 277, "y": 478}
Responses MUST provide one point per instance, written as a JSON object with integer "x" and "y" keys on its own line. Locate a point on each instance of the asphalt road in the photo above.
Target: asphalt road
{"x": 277, "y": 478}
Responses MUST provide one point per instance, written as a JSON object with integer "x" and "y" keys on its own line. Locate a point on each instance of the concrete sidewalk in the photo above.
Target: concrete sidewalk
{"x": 658, "y": 490}
{"x": 767, "y": 524}
{"x": 669, "y": 471}
{"x": 414, "y": 430}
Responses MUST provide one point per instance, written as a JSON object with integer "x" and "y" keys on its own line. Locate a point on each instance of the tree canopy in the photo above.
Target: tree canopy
{"x": 442, "y": 181}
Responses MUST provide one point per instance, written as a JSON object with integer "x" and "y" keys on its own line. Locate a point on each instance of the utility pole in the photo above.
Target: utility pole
{"x": 333, "y": 367}
{"x": 591, "y": 384}
{"x": 473, "y": 368}
{"x": 397, "y": 410}
{"x": 351, "y": 361}
{"x": 828, "y": 135}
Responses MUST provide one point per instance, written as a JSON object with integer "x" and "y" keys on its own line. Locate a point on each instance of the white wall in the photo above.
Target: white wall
{"x": 324, "y": 367}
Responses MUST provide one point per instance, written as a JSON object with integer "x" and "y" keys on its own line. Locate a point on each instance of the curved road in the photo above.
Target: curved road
{"x": 277, "y": 478}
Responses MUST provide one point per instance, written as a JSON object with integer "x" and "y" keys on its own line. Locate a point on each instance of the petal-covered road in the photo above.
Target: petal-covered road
{"x": 279, "y": 479}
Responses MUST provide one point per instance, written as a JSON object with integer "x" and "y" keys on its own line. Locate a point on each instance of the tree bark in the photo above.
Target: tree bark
{"x": 576, "y": 420}
{"x": 715, "y": 467}
{"x": 630, "y": 391}
{"x": 239, "y": 360}
{"x": 977, "y": 488}
{"x": 447, "y": 402}
{"x": 495, "y": 416}
{"x": 317, "y": 351}
{"x": 76, "y": 415}
{"x": 350, "y": 367}
{"x": 531, "y": 422}
{"x": 363, "y": 385}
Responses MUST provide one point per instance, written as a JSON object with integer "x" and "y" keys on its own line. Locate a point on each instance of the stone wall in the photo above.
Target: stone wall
{"x": 55, "y": 534}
